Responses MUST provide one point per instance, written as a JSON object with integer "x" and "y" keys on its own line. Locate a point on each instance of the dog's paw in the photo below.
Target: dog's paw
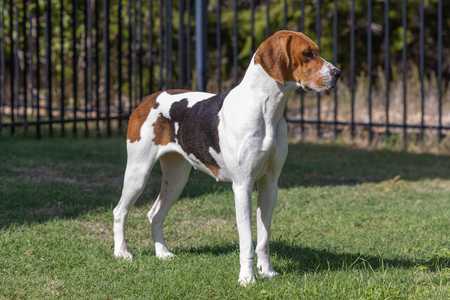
{"x": 165, "y": 255}
{"x": 246, "y": 280}
{"x": 123, "y": 254}
{"x": 268, "y": 274}
{"x": 266, "y": 271}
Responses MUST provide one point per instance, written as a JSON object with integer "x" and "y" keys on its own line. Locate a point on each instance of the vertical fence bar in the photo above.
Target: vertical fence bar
{"x": 301, "y": 28}
{"x": 48, "y": 54}
{"x": 439, "y": 68}
{"x": 219, "y": 45}
{"x": 97, "y": 66}
{"x": 252, "y": 25}
{"x": 25, "y": 63}
{"x": 369, "y": 68}
{"x": 267, "y": 18}
{"x": 140, "y": 50}
{"x": 13, "y": 64}
{"x": 387, "y": 66}
{"x": 188, "y": 43}
{"x": 150, "y": 44}
{"x": 352, "y": 67}
{"x": 74, "y": 65}
{"x": 404, "y": 75}
{"x": 38, "y": 70}
{"x": 106, "y": 44}
{"x": 200, "y": 38}
{"x": 182, "y": 44}
{"x": 335, "y": 58}
{"x": 161, "y": 45}
{"x": 86, "y": 66}
{"x": 62, "y": 86}
{"x": 234, "y": 41}
{"x": 119, "y": 60}
{"x": 130, "y": 55}
{"x": 16, "y": 58}
{"x": 2, "y": 65}
{"x": 318, "y": 97}
{"x": 31, "y": 70}
{"x": 168, "y": 52}
{"x": 421, "y": 69}
{"x": 134, "y": 54}
{"x": 30, "y": 41}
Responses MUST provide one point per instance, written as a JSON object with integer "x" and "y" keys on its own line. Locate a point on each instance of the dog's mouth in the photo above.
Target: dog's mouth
{"x": 318, "y": 89}
{"x": 329, "y": 83}
{"x": 333, "y": 82}
{"x": 304, "y": 89}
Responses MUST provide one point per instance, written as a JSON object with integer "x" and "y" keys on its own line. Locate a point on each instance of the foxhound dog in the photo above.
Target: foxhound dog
{"x": 239, "y": 137}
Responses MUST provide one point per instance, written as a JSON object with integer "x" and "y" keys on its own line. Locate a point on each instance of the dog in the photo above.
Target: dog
{"x": 238, "y": 137}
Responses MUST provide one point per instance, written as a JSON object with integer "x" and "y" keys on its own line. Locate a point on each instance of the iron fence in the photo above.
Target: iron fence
{"x": 83, "y": 65}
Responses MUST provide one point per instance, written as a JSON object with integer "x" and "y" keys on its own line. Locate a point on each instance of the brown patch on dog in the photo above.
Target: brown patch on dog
{"x": 198, "y": 128}
{"x": 214, "y": 169}
{"x": 290, "y": 56}
{"x": 177, "y": 91}
{"x": 139, "y": 116}
{"x": 164, "y": 131}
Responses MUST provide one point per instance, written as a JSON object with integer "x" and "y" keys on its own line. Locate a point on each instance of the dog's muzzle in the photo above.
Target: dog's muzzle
{"x": 335, "y": 74}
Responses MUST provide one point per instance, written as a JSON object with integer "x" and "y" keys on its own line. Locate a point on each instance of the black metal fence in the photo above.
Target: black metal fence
{"x": 81, "y": 66}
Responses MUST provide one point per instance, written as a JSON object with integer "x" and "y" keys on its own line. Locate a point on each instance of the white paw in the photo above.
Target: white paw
{"x": 245, "y": 280}
{"x": 268, "y": 274}
{"x": 123, "y": 254}
{"x": 165, "y": 255}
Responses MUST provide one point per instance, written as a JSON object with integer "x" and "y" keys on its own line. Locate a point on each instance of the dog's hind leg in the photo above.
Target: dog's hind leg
{"x": 175, "y": 173}
{"x": 141, "y": 158}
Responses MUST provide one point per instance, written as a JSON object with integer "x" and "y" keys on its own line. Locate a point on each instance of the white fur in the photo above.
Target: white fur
{"x": 253, "y": 148}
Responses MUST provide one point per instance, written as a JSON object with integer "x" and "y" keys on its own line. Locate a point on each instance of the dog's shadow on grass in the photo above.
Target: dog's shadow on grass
{"x": 314, "y": 165}
{"x": 301, "y": 260}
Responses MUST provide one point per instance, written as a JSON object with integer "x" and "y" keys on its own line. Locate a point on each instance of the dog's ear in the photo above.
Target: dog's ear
{"x": 273, "y": 55}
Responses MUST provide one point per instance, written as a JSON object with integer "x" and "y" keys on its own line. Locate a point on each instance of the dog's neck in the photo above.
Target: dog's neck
{"x": 267, "y": 92}
{"x": 269, "y": 96}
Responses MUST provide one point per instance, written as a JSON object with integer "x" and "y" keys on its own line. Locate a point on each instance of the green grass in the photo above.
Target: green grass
{"x": 350, "y": 224}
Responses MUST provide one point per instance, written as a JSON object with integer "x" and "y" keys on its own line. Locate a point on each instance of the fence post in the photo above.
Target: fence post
{"x": 200, "y": 41}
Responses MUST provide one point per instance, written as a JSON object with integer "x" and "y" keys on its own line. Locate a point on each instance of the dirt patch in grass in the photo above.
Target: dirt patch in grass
{"x": 204, "y": 224}
{"x": 96, "y": 230}
{"x": 59, "y": 174}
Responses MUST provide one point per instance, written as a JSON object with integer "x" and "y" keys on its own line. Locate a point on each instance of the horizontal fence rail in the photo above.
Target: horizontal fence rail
{"x": 80, "y": 67}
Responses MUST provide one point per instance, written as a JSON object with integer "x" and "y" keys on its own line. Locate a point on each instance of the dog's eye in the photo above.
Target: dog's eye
{"x": 308, "y": 55}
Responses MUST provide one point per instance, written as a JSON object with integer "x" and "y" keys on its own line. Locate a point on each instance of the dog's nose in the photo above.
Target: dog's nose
{"x": 336, "y": 73}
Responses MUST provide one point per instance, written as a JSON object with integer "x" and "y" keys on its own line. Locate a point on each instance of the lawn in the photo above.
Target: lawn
{"x": 350, "y": 224}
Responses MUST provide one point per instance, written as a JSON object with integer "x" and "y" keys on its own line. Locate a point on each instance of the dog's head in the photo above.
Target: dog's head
{"x": 289, "y": 56}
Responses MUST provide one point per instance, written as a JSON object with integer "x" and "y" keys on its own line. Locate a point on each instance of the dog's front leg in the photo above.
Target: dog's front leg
{"x": 242, "y": 199}
{"x": 267, "y": 196}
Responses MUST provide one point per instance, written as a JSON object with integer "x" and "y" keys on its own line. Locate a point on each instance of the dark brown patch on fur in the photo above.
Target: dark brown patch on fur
{"x": 198, "y": 128}
{"x": 139, "y": 116}
{"x": 164, "y": 131}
